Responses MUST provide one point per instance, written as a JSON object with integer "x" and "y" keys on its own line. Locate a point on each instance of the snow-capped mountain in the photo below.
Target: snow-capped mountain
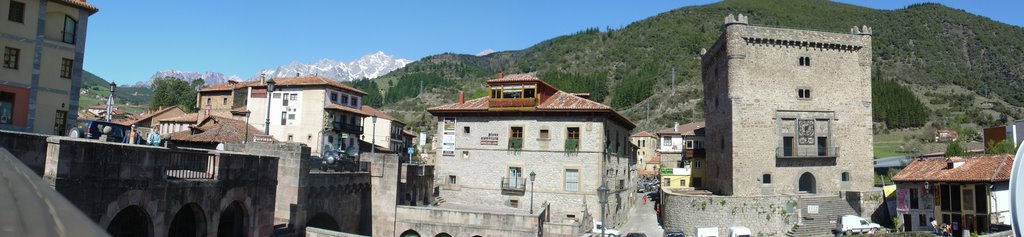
{"x": 210, "y": 78}
{"x": 485, "y": 52}
{"x": 369, "y": 66}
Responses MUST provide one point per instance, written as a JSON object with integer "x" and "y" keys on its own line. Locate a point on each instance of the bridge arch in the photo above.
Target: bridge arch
{"x": 323, "y": 221}
{"x": 410, "y": 233}
{"x": 190, "y": 221}
{"x": 232, "y": 220}
{"x": 131, "y": 221}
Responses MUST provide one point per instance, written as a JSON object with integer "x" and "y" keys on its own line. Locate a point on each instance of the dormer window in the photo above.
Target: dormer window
{"x": 513, "y": 91}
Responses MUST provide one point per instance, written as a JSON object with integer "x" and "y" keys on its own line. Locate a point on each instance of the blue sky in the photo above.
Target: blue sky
{"x": 130, "y": 40}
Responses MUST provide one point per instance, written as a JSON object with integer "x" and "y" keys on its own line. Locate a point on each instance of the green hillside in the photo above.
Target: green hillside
{"x": 131, "y": 99}
{"x": 924, "y": 47}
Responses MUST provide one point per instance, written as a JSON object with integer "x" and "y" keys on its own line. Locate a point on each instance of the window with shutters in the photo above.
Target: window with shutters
{"x": 17, "y": 12}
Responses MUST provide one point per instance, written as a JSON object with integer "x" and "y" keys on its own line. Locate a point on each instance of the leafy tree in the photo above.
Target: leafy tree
{"x": 895, "y": 105}
{"x": 169, "y": 91}
{"x": 954, "y": 149}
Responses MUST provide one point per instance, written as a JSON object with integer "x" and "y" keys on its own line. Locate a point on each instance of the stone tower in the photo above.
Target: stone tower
{"x": 788, "y": 111}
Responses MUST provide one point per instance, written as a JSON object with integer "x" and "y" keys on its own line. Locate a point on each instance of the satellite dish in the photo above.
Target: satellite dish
{"x": 1017, "y": 192}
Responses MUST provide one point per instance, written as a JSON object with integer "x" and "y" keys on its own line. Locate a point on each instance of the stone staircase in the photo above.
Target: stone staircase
{"x": 824, "y": 221}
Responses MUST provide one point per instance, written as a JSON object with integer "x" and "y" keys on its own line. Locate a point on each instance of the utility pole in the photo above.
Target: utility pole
{"x": 421, "y": 88}
{"x": 673, "y": 80}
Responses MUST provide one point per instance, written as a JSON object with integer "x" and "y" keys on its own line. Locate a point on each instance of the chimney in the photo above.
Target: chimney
{"x": 676, "y": 127}
{"x": 462, "y": 97}
{"x": 949, "y": 163}
{"x": 298, "y": 74}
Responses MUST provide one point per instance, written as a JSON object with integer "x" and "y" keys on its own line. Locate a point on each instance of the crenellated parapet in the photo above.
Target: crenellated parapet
{"x": 801, "y": 44}
{"x": 741, "y": 19}
{"x": 864, "y": 30}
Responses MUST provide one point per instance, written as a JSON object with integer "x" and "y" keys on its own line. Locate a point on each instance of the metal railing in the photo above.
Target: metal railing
{"x": 515, "y": 143}
{"x": 572, "y": 145}
{"x": 347, "y": 127}
{"x": 819, "y": 153}
{"x": 188, "y": 165}
{"x": 513, "y": 184}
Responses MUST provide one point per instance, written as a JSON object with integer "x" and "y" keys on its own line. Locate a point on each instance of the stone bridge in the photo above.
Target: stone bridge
{"x": 334, "y": 201}
{"x": 132, "y": 190}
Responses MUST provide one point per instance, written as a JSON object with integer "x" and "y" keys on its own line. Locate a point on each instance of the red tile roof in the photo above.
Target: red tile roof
{"x": 227, "y": 86}
{"x": 560, "y": 101}
{"x": 158, "y": 112}
{"x": 286, "y": 81}
{"x": 81, "y": 4}
{"x": 316, "y": 80}
{"x": 192, "y": 117}
{"x": 380, "y": 114}
{"x": 345, "y": 108}
{"x": 643, "y": 134}
{"x": 239, "y": 110}
{"x": 682, "y": 129}
{"x": 987, "y": 168}
{"x": 216, "y": 129}
{"x": 525, "y": 77}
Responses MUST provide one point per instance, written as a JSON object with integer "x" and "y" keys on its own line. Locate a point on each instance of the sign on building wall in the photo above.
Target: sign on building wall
{"x": 448, "y": 137}
{"x": 490, "y": 139}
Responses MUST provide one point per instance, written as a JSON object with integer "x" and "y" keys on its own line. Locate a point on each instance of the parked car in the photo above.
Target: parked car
{"x": 636, "y": 235}
{"x": 93, "y": 129}
{"x": 607, "y": 232}
{"x": 850, "y": 224}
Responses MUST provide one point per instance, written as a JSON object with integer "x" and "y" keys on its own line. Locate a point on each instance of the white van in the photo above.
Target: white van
{"x": 707, "y": 232}
{"x": 850, "y": 224}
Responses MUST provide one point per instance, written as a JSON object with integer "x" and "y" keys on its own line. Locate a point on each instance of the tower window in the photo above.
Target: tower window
{"x": 803, "y": 93}
{"x": 766, "y": 179}
{"x": 805, "y": 61}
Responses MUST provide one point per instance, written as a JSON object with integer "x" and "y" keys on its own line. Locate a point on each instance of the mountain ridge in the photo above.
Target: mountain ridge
{"x": 368, "y": 66}
{"x": 924, "y": 46}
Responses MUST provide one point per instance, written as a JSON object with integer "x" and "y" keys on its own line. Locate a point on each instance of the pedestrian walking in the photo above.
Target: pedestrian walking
{"x": 645, "y": 199}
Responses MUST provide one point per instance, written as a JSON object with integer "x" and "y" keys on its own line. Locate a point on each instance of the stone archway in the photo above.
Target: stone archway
{"x": 323, "y": 221}
{"x": 190, "y": 221}
{"x": 410, "y": 233}
{"x": 807, "y": 183}
{"x": 442, "y": 234}
{"x": 131, "y": 221}
{"x": 232, "y": 221}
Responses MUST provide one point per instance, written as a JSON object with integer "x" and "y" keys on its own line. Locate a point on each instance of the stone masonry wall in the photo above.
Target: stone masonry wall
{"x": 431, "y": 221}
{"x": 103, "y": 178}
{"x": 30, "y": 148}
{"x": 754, "y": 72}
{"x": 764, "y": 215}
{"x": 479, "y": 167}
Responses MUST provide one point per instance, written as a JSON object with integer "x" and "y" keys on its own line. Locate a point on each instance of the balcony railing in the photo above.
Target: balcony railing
{"x": 695, "y": 152}
{"x": 513, "y": 185}
{"x": 818, "y": 153}
{"x": 515, "y": 143}
{"x": 572, "y": 145}
{"x": 521, "y": 102}
{"x": 347, "y": 127}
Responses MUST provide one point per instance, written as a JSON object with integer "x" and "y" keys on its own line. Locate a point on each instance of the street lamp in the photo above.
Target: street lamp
{"x": 110, "y": 102}
{"x": 270, "y": 91}
{"x": 533, "y": 176}
{"x": 602, "y": 195}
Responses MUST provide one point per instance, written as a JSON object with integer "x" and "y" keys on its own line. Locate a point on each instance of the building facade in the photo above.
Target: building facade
{"x": 383, "y": 130}
{"x": 321, "y": 113}
{"x": 682, "y": 146}
{"x": 491, "y": 147}
{"x": 779, "y": 103}
{"x": 646, "y": 144}
{"x": 43, "y": 45}
{"x": 970, "y": 194}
